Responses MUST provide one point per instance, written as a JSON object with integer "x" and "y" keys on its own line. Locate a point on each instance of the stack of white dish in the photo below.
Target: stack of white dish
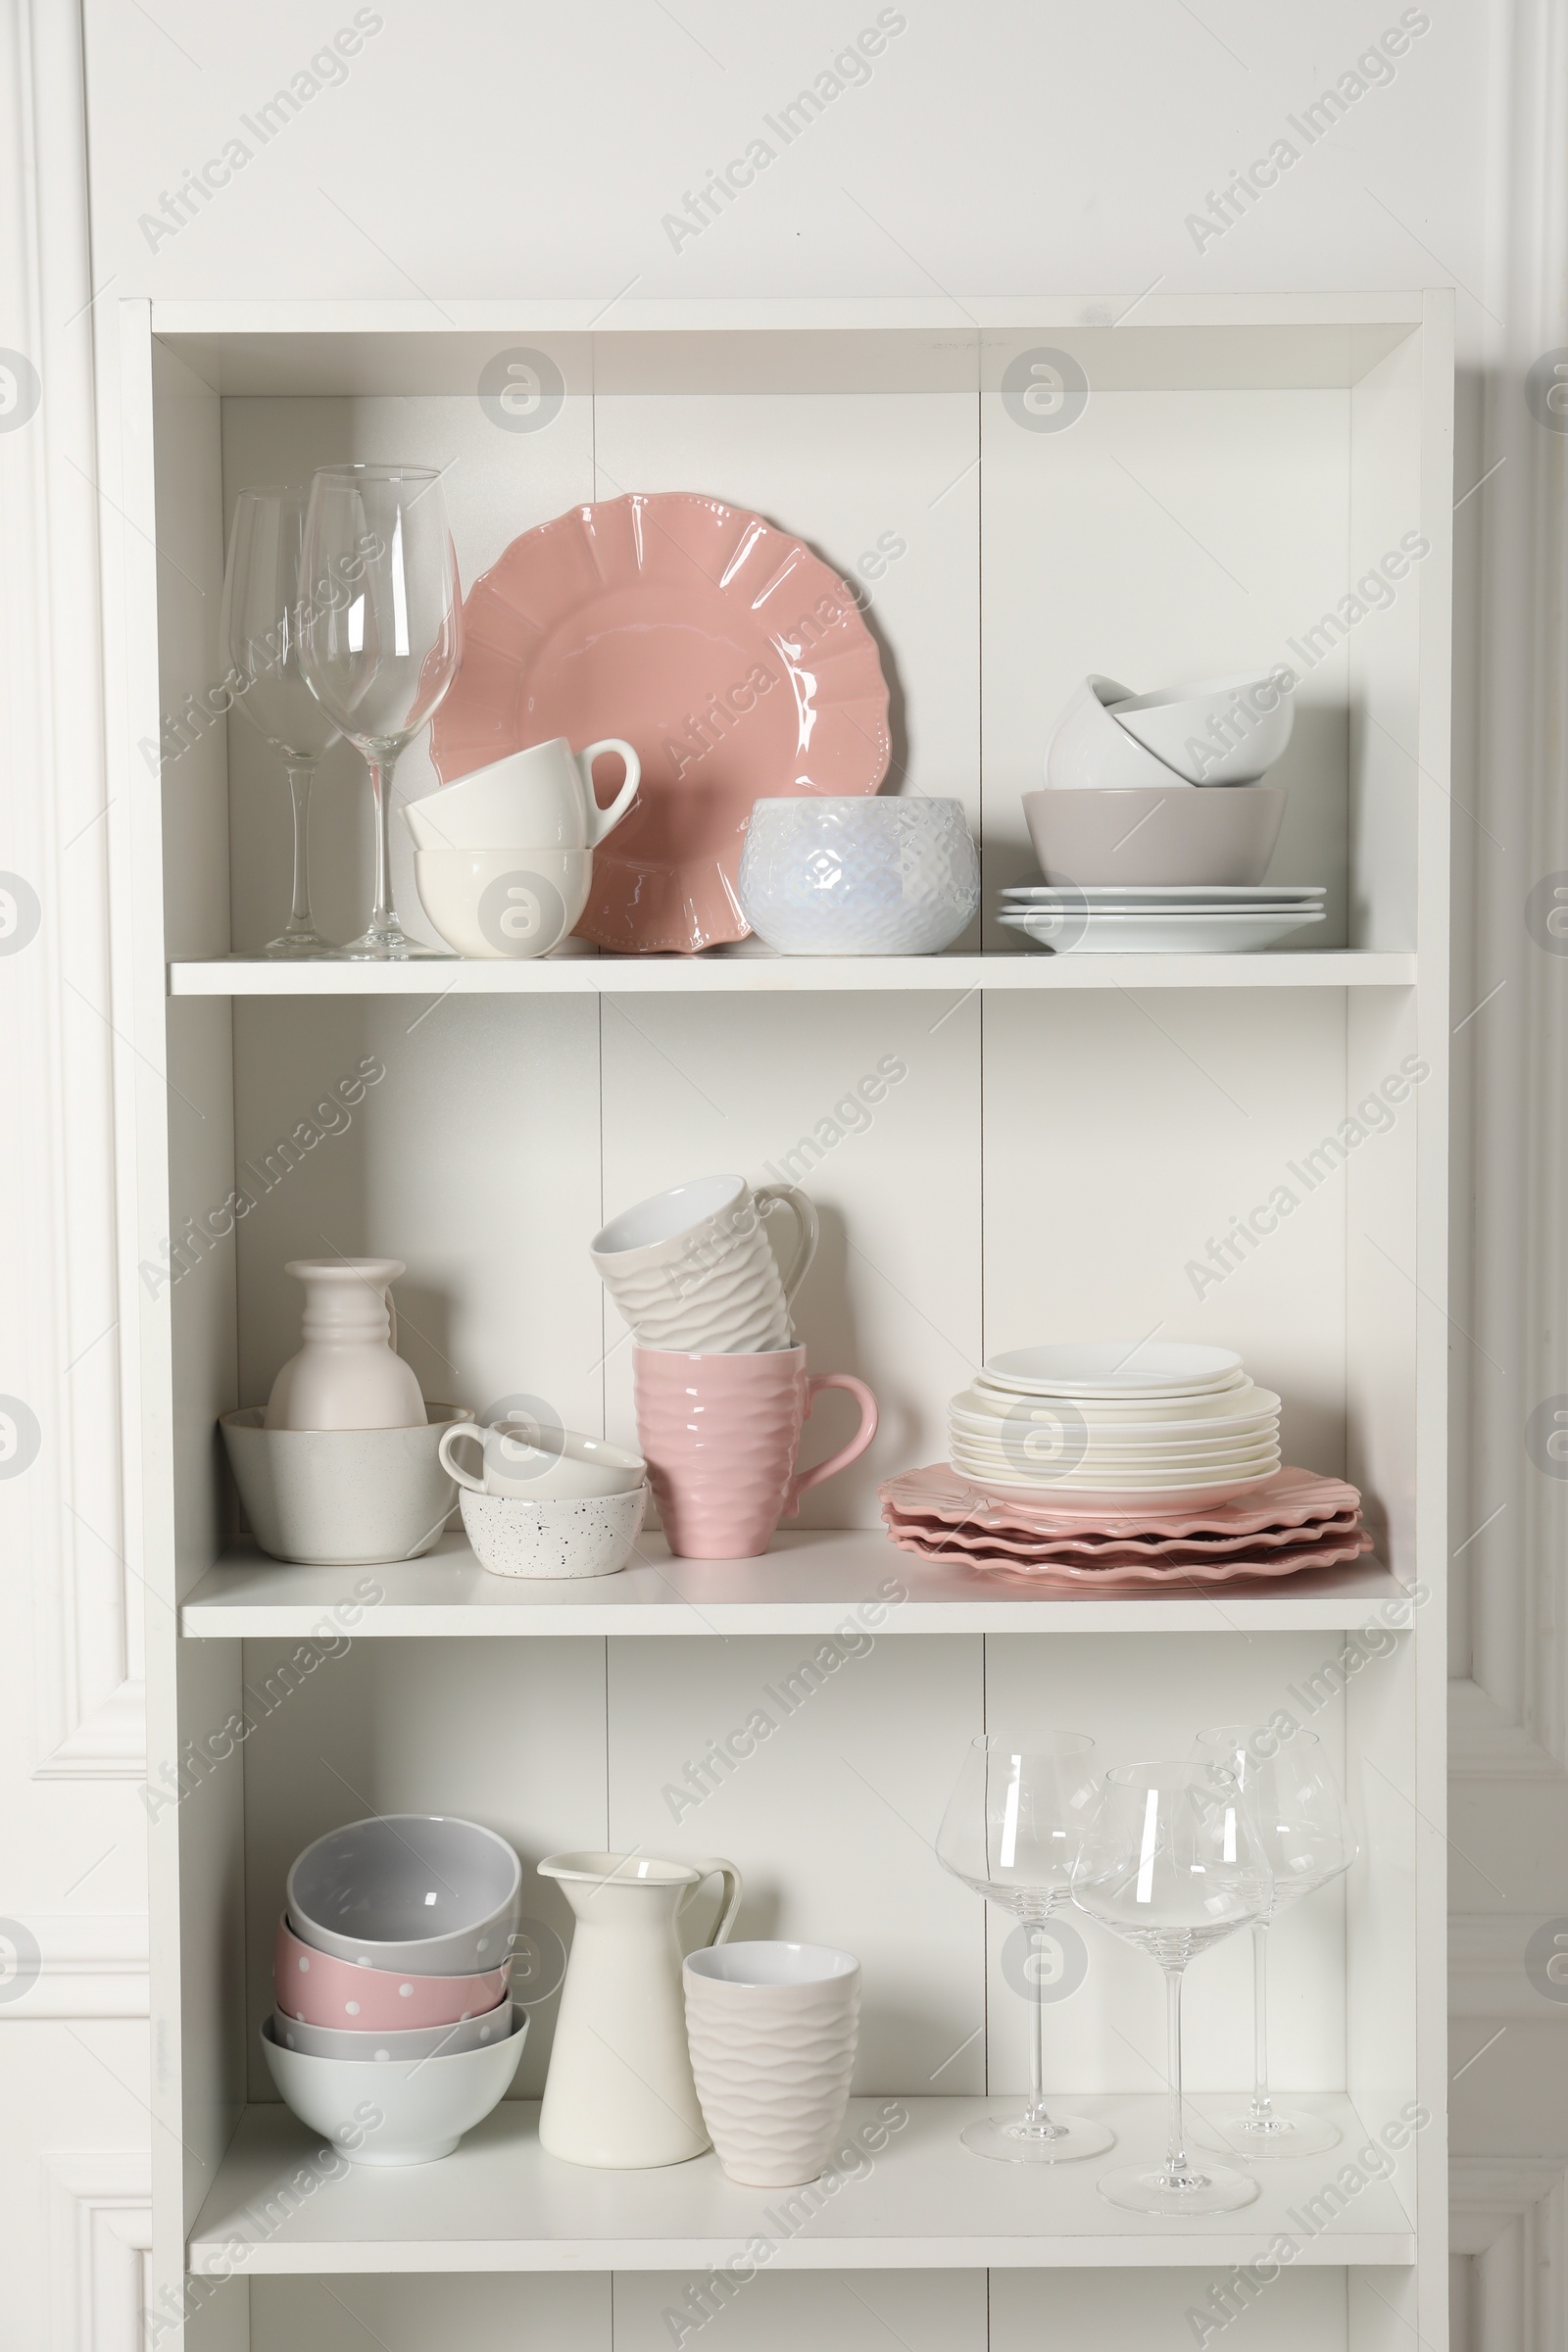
{"x": 1152, "y": 1420}
{"x": 391, "y": 1972}
{"x": 1159, "y": 919}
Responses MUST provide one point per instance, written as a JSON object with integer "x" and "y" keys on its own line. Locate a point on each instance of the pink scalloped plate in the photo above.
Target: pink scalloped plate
{"x": 1140, "y": 1575}
{"x": 1122, "y": 1552}
{"x": 1290, "y": 1498}
{"x": 733, "y": 658}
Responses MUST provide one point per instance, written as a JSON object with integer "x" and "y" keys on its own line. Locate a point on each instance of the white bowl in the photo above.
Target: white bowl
{"x": 504, "y": 904}
{"x": 426, "y": 1893}
{"x": 1090, "y": 752}
{"x": 591, "y": 1535}
{"x": 415, "y": 2041}
{"x": 399, "y": 2111}
{"x": 1169, "y": 837}
{"x": 877, "y": 876}
{"x": 342, "y": 1497}
{"x": 1220, "y": 731}
{"x": 1117, "y": 1368}
{"x": 549, "y": 1464}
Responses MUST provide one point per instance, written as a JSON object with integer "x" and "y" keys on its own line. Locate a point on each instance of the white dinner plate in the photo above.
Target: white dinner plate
{"x": 1199, "y": 933}
{"x": 1001, "y": 1458}
{"x": 1123, "y": 1498}
{"x": 1240, "y": 895}
{"x": 1117, "y": 1368}
{"x": 1156, "y": 1417}
{"x": 1133, "y": 1444}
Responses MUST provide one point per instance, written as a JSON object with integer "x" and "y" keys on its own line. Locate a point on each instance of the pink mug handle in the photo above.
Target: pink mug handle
{"x": 815, "y": 1383}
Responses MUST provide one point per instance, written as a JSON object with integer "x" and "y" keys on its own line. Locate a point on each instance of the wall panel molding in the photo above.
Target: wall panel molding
{"x": 1509, "y": 2224}
{"x": 99, "y": 2223}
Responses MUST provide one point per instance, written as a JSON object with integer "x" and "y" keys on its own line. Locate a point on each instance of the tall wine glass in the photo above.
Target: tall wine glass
{"x": 1309, "y": 1839}
{"x": 1011, "y": 1831}
{"x": 261, "y": 630}
{"x": 1174, "y": 1863}
{"x": 383, "y": 636}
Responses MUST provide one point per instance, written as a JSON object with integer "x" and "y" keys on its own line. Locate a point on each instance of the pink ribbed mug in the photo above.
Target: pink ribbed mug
{"x": 721, "y": 1434}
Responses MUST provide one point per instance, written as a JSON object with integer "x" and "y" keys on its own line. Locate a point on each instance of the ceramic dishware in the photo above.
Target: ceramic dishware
{"x": 1220, "y": 731}
{"x": 571, "y": 1536}
{"x": 408, "y": 1890}
{"x": 858, "y": 878}
{"x": 733, "y": 658}
{"x": 1169, "y": 833}
{"x": 772, "y": 2029}
{"x": 1089, "y": 752}
{"x": 416, "y": 2042}
{"x": 1099, "y": 932}
{"x": 561, "y": 1466}
{"x": 542, "y": 798}
{"x": 506, "y": 904}
{"x": 721, "y": 1434}
{"x": 325, "y": 1991}
{"x": 1116, "y": 1368}
{"x": 342, "y": 1497}
{"x": 620, "y": 2091}
{"x": 347, "y": 1373}
{"x": 693, "y": 1267}
{"x": 420, "y": 2107}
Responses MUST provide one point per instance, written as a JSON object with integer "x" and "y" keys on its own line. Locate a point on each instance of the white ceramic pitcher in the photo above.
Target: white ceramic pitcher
{"x": 619, "y": 2092}
{"x": 348, "y": 1373}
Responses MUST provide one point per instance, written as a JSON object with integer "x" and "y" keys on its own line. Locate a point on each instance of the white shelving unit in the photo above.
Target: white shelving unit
{"x": 1061, "y": 1146}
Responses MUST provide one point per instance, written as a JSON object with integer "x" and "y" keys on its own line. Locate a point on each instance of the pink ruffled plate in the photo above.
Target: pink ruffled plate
{"x": 1138, "y": 1574}
{"x": 1288, "y": 1498}
{"x": 1086, "y": 1551}
{"x": 733, "y": 658}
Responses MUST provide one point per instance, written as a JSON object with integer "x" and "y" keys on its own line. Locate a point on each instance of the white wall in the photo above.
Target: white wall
{"x": 476, "y": 149}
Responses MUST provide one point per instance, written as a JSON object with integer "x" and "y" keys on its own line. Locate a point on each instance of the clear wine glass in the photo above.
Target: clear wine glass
{"x": 1309, "y": 1839}
{"x": 1173, "y": 1863}
{"x": 1011, "y": 1831}
{"x": 261, "y": 629}
{"x": 383, "y": 638}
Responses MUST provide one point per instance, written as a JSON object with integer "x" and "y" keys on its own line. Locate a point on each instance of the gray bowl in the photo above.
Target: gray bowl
{"x": 342, "y": 1497}
{"x": 1155, "y": 836}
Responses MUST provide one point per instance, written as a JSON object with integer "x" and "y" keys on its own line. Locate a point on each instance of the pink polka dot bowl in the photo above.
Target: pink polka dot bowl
{"x": 324, "y": 1990}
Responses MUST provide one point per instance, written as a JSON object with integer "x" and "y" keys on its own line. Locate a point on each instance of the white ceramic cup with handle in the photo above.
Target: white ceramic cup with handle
{"x": 539, "y": 799}
{"x": 691, "y": 1269}
{"x": 563, "y": 1467}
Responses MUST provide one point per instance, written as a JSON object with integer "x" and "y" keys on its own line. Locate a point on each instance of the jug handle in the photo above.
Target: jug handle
{"x": 716, "y": 1867}
{"x": 605, "y": 820}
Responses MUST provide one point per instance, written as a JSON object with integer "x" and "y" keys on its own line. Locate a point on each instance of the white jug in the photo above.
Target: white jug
{"x": 539, "y": 799}
{"x": 619, "y": 2092}
{"x": 347, "y": 1375}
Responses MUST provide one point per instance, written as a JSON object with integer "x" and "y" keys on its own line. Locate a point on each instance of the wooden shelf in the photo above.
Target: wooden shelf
{"x": 922, "y": 2202}
{"x": 722, "y": 973}
{"x": 808, "y": 1583}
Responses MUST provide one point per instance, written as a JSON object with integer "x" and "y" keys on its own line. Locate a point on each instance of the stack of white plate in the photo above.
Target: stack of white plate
{"x": 1147, "y": 1421}
{"x": 1160, "y": 918}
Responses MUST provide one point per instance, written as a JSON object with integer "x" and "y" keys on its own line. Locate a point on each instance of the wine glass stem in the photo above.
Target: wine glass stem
{"x": 1176, "y": 2165}
{"x": 301, "y": 921}
{"x": 1036, "y": 2118}
{"x": 380, "y": 766}
{"x": 1262, "y": 2104}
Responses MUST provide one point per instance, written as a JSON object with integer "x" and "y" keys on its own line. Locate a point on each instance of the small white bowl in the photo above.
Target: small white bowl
{"x": 1174, "y": 836}
{"x": 545, "y": 1465}
{"x": 591, "y": 1535}
{"x": 504, "y": 904}
{"x": 1090, "y": 752}
{"x": 858, "y": 876}
{"x": 342, "y": 1497}
{"x": 415, "y": 2042}
{"x": 1220, "y": 731}
{"x": 423, "y": 1892}
{"x": 399, "y": 2111}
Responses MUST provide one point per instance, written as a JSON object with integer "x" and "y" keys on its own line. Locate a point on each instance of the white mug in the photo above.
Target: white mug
{"x": 692, "y": 1270}
{"x": 538, "y": 799}
{"x": 563, "y": 1467}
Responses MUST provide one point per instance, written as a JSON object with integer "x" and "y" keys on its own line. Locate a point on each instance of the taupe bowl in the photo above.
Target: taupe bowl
{"x": 342, "y": 1497}
{"x": 1154, "y": 836}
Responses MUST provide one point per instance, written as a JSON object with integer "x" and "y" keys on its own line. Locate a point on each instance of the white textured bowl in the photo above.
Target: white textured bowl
{"x": 1169, "y": 837}
{"x": 772, "y": 2029}
{"x": 858, "y": 878}
{"x": 503, "y": 905}
{"x": 400, "y": 2111}
{"x": 591, "y": 1535}
{"x": 1090, "y": 752}
{"x": 417, "y": 2041}
{"x": 342, "y": 1497}
{"x": 425, "y": 1893}
{"x": 1220, "y": 731}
